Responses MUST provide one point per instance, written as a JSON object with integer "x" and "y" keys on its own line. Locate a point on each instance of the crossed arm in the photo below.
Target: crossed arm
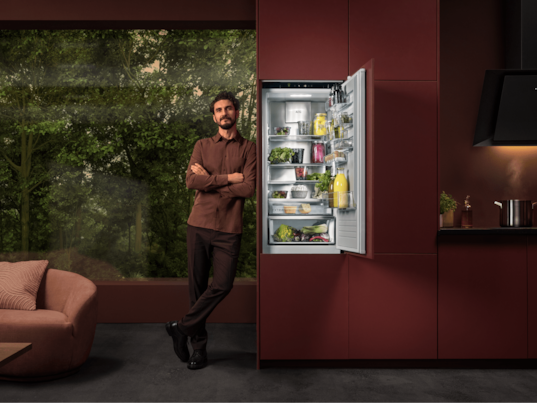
{"x": 232, "y": 185}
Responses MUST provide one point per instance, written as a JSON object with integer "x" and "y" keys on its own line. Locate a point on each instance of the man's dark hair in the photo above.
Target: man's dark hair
{"x": 226, "y": 95}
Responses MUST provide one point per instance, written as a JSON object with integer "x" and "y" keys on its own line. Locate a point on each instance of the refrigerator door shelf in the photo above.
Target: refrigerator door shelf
{"x": 345, "y": 144}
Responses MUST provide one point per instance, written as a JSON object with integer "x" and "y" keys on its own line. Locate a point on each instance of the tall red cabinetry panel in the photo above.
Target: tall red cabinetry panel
{"x": 303, "y": 40}
{"x": 399, "y": 35}
{"x": 482, "y": 296}
{"x": 303, "y": 307}
{"x": 392, "y": 307}
{"x": 405, "y": 170}
{"x": 532, "y": 296}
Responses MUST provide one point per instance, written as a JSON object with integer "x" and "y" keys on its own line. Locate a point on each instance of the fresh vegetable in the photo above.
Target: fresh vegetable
{"x": 282, "y": 131}
{"x": 315, "y": 229}
{"x": 280, "y": 154}
{"x": 324, "y": 179}
{"x": 317, "y": 239}
{"x": 279, "y": 194}
{"x": 284, "y": 234}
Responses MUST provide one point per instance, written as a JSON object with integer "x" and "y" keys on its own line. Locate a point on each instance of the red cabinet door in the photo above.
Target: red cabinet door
{"x": 401, "y": 36}
{"x": 482, "y": 296}
{"x": 405, "y": 167}
{"x": 392, "y": 307}
{"x": 532, "y": 296}
{"x": 303, "y": 307}
{"x": 303, "y": 40}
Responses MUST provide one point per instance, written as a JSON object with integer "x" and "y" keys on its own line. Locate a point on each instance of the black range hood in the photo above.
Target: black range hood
{"x": 508, "y": 109}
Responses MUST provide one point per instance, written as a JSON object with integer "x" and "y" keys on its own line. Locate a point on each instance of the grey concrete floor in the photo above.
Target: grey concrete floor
{"x": 136, "y": 362}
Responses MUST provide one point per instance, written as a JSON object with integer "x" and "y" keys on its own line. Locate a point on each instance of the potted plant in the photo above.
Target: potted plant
{"x": 281, "y": 155}
{"x": 447, "y": 206}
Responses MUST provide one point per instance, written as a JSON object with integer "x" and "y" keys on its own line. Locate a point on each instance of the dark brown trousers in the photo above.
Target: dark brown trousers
{"x": 202, "y": 244}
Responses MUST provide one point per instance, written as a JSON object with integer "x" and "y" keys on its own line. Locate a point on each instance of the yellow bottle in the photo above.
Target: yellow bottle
{"x": 340, "y": 185}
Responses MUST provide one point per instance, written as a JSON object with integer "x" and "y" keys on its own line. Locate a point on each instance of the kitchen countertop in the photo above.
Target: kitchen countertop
{"x": 489, "y": 231}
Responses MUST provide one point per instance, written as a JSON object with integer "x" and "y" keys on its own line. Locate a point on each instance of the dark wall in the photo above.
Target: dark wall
{"x": 471, "y": 41}
{"x": 156, "y": 14}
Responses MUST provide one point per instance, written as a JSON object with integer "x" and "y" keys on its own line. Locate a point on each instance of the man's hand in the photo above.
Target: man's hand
{"x": 235, "y": 178}
{"x": 198, "y": 169}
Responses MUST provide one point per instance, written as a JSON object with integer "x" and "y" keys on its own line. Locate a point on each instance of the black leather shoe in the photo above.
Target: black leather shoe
{"x": 179, "y": 341}
{"x": 198, "y": 359}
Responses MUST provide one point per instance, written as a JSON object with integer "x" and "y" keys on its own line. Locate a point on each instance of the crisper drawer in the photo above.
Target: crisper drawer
{"x": 299, "y": 222}
{"x": 293, "y": 209}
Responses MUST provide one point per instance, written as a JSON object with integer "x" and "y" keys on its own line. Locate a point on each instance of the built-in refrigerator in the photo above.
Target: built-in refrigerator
{"x": 284, "y": 104}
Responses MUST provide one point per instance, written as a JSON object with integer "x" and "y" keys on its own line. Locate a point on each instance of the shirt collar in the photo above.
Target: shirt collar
{"x": 237, "y": 137}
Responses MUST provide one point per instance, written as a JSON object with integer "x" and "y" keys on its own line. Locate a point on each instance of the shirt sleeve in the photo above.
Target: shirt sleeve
{"x": 247, "y": 188}
{"x": 204, "y": 183}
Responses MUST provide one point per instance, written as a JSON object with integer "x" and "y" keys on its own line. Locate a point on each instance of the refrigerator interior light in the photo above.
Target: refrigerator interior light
{"x": 300, "y": 95}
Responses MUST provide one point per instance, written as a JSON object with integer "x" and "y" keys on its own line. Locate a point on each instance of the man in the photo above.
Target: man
{"x": 223, "y": 171}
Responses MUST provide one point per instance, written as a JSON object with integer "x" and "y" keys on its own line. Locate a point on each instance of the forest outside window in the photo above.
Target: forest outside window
{"x": 96, "y": 132}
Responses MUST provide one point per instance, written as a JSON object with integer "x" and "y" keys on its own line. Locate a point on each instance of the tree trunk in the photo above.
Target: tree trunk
{"x": 25, "y": 221}
{"x": 138, "y": 235}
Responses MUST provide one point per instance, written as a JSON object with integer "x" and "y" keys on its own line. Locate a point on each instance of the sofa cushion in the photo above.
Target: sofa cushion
{"x": 51, "y": 335}
{"x": 19, "y": 283}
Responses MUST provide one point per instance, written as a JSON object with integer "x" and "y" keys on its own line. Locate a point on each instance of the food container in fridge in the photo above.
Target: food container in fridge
{"x": 317, "y": 152}
{"x": 304, "y": 128}
{"x": 298, "y": 157}
{"x": 299, "y": 192}
{"x": 282, "y": 131}
{"x": 301, "y": 173}
{"x": 279, "y": 194}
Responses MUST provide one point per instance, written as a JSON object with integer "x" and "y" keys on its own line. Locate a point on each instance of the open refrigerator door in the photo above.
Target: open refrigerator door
{"x": 299, "y": 146}
{"x": 351, "y": 222}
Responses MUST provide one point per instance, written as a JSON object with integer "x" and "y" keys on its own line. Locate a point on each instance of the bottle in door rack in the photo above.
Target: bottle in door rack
{"x": 340, "y": 185}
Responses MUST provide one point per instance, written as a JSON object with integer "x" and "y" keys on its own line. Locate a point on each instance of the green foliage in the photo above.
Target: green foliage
{"x": 109, "y": 119}
{"x": 281, "y": 154}
{"x": 447, "y": 203}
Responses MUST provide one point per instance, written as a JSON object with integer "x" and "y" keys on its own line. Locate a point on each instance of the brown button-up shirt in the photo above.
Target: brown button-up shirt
{"x": 218, "y": 204}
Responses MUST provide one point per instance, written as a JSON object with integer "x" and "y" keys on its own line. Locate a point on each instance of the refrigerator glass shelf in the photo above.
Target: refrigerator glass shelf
{"x": 301, "y": 217}
{"x": 309, "y": 164}
{"x": 295, "y": 182}
{"x": 292, "y": 200}
{"x": 298, "y": 138}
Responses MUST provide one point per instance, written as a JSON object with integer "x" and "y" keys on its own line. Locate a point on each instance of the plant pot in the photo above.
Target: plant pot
{"x": 447, "y": 219}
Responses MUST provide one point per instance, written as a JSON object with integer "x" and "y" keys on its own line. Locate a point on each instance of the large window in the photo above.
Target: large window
{"x": 96, "y": 132}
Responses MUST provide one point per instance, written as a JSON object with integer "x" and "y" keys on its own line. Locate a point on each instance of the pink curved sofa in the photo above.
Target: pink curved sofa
{"x": 61, "y": 330}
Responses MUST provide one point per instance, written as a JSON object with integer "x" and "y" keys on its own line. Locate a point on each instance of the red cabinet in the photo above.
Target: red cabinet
{"x": 401, "y": 36}
{"x": 303, "y": 307}
{"x": 303, "y": 40}
{"x": 532, "y": 296}
{"x": 405, "y": 167}
{"x": 482, "y": 296}
{"x": 392, "y": 307}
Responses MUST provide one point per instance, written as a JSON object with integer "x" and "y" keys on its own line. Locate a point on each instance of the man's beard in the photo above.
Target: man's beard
{"x": 228, "y": 125}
